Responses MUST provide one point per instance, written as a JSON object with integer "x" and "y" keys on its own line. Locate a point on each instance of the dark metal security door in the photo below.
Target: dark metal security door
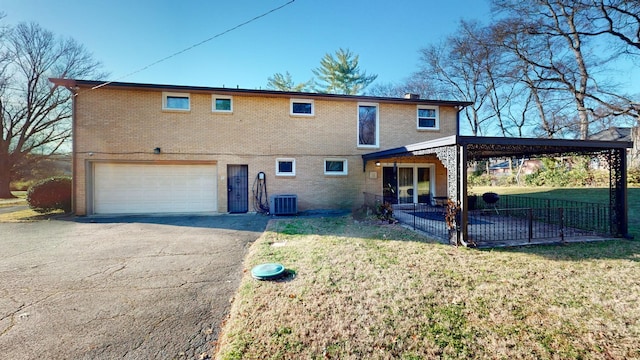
{"x": 238, "y": 188}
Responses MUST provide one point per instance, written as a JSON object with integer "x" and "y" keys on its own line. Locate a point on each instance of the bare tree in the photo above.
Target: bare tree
{"x": 411, "y": 85}
{"x": 457, "y": 69}
{"x": 35, "y": 114}
{"x": 555, "y": 41}
{"x": 618, "y": 18}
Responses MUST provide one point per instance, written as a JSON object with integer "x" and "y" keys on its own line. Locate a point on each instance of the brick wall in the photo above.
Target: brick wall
{"x": 113, "y": 124}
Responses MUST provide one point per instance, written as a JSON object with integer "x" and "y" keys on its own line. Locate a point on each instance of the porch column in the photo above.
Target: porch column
{"x": 450, "y": 158}
{"x": 462, "y": 190}
{"x": 618, "y": 192}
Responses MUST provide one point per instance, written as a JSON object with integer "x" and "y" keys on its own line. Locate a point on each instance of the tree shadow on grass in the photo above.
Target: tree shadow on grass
{"x": 617, "y": 249}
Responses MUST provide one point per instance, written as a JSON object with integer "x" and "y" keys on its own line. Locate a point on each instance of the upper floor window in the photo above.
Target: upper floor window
{"x": 222, "y": 103}
{"x": 368, "y": 133}
{"x": 302, "y": 107}
{"x": 428, "y": 117}
{"x": 176, "y": 101}
{"x": 285, "y": 167}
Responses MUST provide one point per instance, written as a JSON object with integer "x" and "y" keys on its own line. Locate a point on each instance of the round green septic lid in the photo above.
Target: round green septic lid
{"x": 267, "y": 271}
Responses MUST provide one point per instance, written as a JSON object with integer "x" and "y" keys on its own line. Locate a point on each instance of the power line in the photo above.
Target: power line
{"x": 195, "y": 45}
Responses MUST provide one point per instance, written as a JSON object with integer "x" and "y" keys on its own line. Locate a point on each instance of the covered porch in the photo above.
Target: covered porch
{"x": 516, "y": 222}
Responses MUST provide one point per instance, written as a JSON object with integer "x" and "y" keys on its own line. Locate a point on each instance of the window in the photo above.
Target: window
{"x": 301, "y": 107}
{"x": 335, "y": 167}
{"x": 285, "y": 167}
{"x": 222, "y": 103}
{"x": 428, "y": 118}
{"x": 368, "y": 125}
{"x": 175, "y": 101}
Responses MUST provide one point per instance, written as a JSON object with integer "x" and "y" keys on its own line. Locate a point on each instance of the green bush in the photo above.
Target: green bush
{"x": 474, "y": 179}
{"x": 50, "y": 194}
{"x": 633, "y": 176}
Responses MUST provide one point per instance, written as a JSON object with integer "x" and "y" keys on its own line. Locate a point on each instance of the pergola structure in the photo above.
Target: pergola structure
{"x": 455, "y": 151}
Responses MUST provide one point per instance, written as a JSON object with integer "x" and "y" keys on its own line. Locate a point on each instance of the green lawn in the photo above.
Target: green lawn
{"x": 366, "y": 290}
{"x": 596, "y": 195}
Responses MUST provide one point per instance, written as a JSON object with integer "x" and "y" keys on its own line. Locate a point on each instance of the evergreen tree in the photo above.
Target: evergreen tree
{"x": 285, "y": 83}
{"x": 341, "y": 74}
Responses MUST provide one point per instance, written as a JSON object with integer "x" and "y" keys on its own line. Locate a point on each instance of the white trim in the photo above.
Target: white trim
{"x": 437, "y": 117}
{"x": 345, "y": 167}
{"x": 293, "y": 167}
{"x": 368, "y": 146}
{"x": 214, "y": 97}
{"x": 302, "y": 101}
{"x": 166, "y": 95}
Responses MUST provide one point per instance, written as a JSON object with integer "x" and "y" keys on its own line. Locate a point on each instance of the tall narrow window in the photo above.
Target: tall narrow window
{"x": 175, "y": 101}
{"x": 368, "y": 134}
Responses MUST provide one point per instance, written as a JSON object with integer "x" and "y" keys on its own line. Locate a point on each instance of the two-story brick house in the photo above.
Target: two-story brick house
{"x": 146, "y": 148}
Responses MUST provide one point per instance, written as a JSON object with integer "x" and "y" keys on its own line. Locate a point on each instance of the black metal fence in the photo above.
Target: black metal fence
{"x": 513, "y": 220}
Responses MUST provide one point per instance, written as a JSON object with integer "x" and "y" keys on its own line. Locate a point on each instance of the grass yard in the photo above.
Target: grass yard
{"x": 596, "y": 195}
{"x": 30, "y": 215}
{"x": 372, "y": 291}
{"x": 21, "y": 199}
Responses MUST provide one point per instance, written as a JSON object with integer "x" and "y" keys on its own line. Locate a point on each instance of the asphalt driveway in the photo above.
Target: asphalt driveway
{"x": 133, "y": 288}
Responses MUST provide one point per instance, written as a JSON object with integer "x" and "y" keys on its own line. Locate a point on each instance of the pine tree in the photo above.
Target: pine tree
{"x": 341, "y": 74}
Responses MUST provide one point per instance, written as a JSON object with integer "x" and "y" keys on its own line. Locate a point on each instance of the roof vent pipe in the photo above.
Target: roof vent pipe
{"x": 411, "y": 96}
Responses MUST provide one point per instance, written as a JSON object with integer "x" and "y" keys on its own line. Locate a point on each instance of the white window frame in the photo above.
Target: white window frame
{"x": 369, "y": 146}
{"x": 166, "y": 95}
{"x": 437, "y": 117}
{"x": 302, "y": 101}
{"x": 345, "y": 167}
{"x": 293, "y": 167}
{"x": 215, "y": 97}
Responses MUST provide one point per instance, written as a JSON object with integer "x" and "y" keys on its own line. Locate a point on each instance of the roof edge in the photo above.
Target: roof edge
{"x": 95, "y": 84}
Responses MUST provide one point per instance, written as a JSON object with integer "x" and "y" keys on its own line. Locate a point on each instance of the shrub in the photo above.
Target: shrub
{"x": 474, "y": 179}
{"x": 633, "y": 176}
{"x": 50, "y": 194}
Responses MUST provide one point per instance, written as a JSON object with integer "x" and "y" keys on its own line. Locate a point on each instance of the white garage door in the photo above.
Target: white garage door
{"x": 147, "y": 188}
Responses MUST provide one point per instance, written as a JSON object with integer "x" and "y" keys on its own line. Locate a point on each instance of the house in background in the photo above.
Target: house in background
{"x": 627, "y": 134}
{"x": 147, "y": 148}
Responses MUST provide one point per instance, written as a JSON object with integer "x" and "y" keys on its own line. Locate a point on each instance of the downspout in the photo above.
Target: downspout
{"x": 74, "y": 95}
{"x": 460, "y": 108}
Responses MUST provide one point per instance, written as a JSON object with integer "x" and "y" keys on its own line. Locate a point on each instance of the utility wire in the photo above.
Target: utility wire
{"x": 195, "y": 45}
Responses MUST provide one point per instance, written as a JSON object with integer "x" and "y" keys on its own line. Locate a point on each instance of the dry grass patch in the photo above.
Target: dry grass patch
{"x": 30, "y": 215}
{"x": 382, "y": 292}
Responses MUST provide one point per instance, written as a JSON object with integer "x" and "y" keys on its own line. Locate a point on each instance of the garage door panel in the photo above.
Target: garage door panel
{"x": 150, "y": 188}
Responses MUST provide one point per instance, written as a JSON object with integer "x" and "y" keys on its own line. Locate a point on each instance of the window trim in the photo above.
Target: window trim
{"x": 167, "y": 94}
{"x": 368, "y": 146}
{"x": 293, "y": 167}
{"x": 215, "y": 97}
{"x": 437, "y": 117}
{"x": 303, "y": 101}
{"x": 345, "y": 167}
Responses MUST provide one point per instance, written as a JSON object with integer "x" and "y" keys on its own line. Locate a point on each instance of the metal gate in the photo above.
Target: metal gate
{"x": 238, "y": 188}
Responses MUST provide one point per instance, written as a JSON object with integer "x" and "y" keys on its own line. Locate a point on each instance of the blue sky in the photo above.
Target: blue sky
{"x": 128, "y": 35}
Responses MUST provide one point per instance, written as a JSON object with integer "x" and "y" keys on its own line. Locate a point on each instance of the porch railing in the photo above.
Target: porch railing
{"x": 514, "y": 220}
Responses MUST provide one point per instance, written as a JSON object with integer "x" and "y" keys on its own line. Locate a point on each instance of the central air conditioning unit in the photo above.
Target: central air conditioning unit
{"x": 283, "y": 204}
